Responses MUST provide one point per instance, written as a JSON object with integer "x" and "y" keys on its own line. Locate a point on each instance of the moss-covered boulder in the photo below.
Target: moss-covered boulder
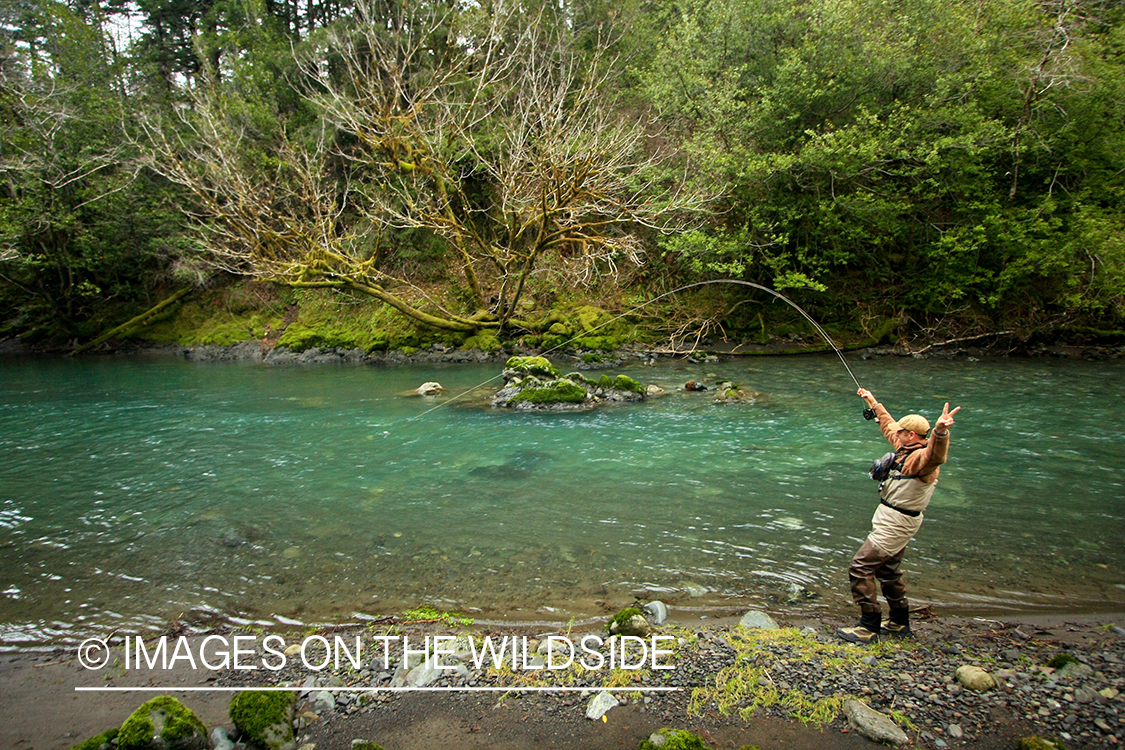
{"x": 265, "y": 717}
{"x": 629, "y": 621}
{"x": 98, "y": 741}
{"x": 556, "y": 392}
{"x": 727, "y": 392}
{"x": 672, "y": 739}
{"x": 162, "y": 723}
{"x": 486, "y": 341}
{"x": 534, "y": 383}
{"x": 628, "y": 385}
{"x": 538, "y": 367}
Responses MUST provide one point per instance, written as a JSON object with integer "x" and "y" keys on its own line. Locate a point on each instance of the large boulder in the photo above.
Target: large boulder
{"x": 265, "y": 717}
{"x": 757, "y": 619}
{"x": 975, "y": 678}
{"x": 162, "y": 723}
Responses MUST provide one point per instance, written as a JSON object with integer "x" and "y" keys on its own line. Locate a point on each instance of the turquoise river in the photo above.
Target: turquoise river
{"x": 139, "y": 492}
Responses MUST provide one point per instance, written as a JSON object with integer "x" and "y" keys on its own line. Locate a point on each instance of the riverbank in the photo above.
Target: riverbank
{"x": 269, "y": 353}
{"x": 734, "y": 686}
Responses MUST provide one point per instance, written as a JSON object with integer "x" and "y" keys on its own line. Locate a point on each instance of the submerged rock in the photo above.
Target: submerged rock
{"x": 431, "y": 388}
{"x": 757, "y": 619}
{"x": 728, "y": 392}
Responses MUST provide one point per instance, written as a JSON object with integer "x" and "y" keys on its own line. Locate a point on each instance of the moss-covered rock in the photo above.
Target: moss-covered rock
{"x": 356, "y": 745}
{"x": 672, "y": 739}
{"x": 629, "y": 621}
{"x": 558, "y": 392}
{"x": 539, "y": 367}
{"x": 98, "y": 741}
{"x": 265, "y": 717}
{"x": 486, "y": 341}
{"x": 162, "y": 722}
{"x": 628, "y": 385}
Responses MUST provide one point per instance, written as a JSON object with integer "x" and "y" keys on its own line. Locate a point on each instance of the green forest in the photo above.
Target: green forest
{"x": 384, "y": 174}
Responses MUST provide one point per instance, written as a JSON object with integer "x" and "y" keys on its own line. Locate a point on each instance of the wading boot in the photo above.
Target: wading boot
{"x": 867, "y": 631}
{"x": 898, "y": 623}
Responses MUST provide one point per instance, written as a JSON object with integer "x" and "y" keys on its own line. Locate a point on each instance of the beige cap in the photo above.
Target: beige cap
{"x": 914, "y": 422}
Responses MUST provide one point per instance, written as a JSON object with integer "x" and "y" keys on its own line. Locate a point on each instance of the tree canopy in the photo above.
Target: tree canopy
{"x": 952, "y": 164}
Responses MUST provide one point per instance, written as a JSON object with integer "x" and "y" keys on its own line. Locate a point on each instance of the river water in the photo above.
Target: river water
{"x": 135, "y": 493}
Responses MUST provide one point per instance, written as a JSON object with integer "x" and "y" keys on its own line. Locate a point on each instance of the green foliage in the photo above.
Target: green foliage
{"x": 932, "y": 153}
{"x": 942, "y": 161}
{"x": 264, "y": 716}
{"x": 178, "y": 723}
{"x": 85, "y": 239}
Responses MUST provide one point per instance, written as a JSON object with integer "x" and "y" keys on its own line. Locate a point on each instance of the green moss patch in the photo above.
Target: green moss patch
{"x": 539, "y": 367}
{"x": 674, "y": 739}
{"x": 624, "y": 616}
{"x": 559, "y": 392}
{"x": 1038, "y": 743}
{"x": 163, "y": 717}
{"x": 626, "y": 383}
{"x": 264, "y": 716}
{"x": 1061, "y": 661}
{"x": 97, "y": 741}
{"x": 486, "y": 341}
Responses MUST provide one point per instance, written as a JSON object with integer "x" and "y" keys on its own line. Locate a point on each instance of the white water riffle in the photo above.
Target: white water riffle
{"x": 134, "y": 491}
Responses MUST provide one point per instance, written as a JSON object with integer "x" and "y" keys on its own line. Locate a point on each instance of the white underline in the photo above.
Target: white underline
{"x": 380, "y": 689}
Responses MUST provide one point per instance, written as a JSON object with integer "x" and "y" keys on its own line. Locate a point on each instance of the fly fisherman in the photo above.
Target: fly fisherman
{"x": 903, "y": 496}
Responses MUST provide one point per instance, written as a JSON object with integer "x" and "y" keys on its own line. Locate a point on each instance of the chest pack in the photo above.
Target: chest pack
{"x": 894, "y": 461}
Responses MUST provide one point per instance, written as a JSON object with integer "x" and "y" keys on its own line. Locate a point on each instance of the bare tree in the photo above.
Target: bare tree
{"x": 482, "y": 129}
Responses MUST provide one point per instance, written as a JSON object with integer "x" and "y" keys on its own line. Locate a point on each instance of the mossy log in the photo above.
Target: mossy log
{"x": 133, "y": 323}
